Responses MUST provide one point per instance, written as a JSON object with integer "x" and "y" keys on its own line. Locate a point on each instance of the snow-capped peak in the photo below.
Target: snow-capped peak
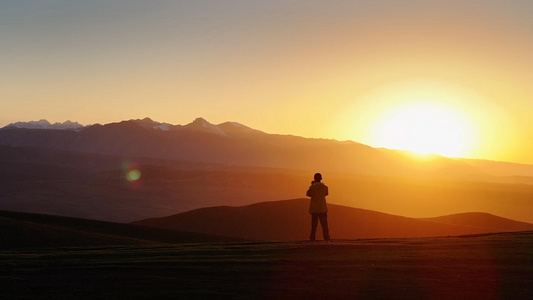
{"x": 237, "y": 128}
{"x": 163, "y": 126}
{"x": 151, "y": 124}
{"x": 200, "y": 124}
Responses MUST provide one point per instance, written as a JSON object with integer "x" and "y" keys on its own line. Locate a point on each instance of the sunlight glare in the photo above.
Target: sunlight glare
{"x": 423, "y": 127}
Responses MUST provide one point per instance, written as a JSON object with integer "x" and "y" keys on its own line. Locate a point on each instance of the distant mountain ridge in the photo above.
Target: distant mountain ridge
{"x": 45, "y": 124}
{"x": 201, "y": 141}
{"x": 287, "y": 220}
{"x": 236, "y": 144}
{"x": 199, "y": 124}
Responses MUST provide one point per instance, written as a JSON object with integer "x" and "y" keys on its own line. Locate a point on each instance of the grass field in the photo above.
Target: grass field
{"x": 494, "y": 266}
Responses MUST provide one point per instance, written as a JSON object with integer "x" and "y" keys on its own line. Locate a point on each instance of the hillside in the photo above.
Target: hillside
{"x": 24, "y": 230}
{"x": 288, "y": 220}
{"x": 482, "y": 220}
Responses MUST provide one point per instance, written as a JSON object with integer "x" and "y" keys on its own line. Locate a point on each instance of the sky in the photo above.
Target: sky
{"x": 455, "y": 75}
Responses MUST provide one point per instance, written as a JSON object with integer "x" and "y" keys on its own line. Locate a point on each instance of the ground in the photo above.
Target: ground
{"x": 494, "y": 266}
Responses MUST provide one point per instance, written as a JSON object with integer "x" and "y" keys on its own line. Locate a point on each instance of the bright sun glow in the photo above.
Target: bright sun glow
{"x": 424, "y": 127}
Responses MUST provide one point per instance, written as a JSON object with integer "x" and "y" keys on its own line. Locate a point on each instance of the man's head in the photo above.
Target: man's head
{"x": 318, "y": 177}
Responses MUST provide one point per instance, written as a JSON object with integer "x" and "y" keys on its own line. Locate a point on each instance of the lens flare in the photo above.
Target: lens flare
{"x": 133, "y": 175}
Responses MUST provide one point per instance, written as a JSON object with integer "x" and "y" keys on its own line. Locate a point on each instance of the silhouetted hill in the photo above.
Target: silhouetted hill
{"x": 483, "y": 220}
{"x": 19, "y": 230}
{"x": 288, "y": 220}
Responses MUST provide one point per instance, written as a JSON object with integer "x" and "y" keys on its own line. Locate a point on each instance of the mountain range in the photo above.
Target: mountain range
{"x": 236, "y": 144}
{"x": 44, "y": 124}
{"x": 200, "y": 141}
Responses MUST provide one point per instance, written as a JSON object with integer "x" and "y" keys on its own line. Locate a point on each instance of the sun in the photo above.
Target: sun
{"x": 420, "y": 115}
{"x": 423, "y": 127}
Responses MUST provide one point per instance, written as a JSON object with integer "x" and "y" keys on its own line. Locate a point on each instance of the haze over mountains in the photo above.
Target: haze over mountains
{"x": 85, "y": 172}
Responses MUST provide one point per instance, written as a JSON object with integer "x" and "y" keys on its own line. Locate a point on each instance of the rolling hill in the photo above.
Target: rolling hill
{"x": 23, "y": 230}
{"x": 287, "y": 220}
{"x": 482, "y": 220}
{"x": 268, "y": 221}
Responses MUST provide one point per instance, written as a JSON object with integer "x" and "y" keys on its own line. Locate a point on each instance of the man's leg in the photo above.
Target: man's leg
{"x": 324, "y": 224}
{"x": 314, "y": 223}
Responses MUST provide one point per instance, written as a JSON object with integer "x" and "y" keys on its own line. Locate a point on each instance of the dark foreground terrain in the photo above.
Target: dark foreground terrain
{"x": 493, "y": 266}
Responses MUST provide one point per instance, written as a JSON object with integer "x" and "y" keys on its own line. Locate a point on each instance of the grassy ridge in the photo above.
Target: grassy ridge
{"x": 495, "y": 266}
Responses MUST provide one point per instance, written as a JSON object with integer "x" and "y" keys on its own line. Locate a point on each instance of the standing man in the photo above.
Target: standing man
{"x": 318, "y": 208}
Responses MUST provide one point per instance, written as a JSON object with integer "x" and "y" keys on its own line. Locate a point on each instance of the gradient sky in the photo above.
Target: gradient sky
{"x": 324, "y": 69}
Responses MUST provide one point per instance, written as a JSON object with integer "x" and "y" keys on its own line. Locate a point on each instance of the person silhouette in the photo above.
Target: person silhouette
{"x": 318, "y": 208}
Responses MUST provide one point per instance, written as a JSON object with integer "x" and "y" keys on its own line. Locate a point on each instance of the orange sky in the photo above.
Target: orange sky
{"x": 325, "y": 69}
